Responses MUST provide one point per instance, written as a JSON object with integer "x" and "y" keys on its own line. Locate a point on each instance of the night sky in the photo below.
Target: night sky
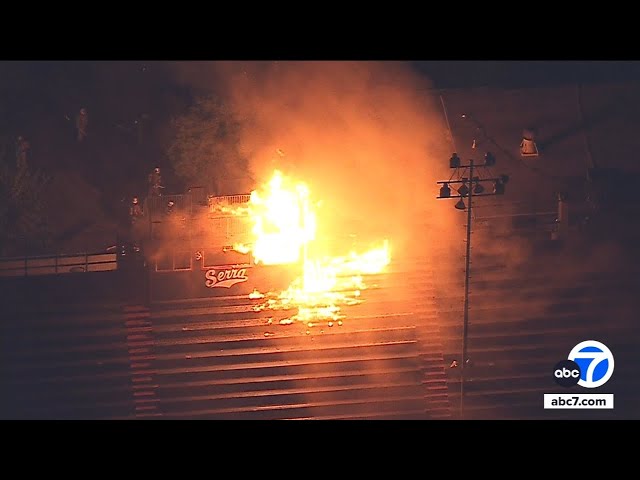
{"x": 34, "y": 92}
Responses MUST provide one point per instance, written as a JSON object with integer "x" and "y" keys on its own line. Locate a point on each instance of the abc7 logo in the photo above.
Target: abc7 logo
{"x": 590, "y": 365}
{"x": 567, "y": 373}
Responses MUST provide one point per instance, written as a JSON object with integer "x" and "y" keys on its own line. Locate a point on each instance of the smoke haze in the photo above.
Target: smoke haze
{"x": 368, "y": 138}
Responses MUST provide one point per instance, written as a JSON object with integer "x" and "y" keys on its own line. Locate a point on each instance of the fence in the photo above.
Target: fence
{"x": 58, "y": 264}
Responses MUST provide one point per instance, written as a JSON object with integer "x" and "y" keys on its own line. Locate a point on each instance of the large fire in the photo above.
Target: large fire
{"x": 283, "y": 222}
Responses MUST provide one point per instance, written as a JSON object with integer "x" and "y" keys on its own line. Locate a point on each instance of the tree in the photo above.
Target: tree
{"x": 22, "y": 218}
{"x": 205, "y": 151}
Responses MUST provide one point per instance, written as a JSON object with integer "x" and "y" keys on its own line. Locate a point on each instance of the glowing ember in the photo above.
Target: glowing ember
{"x": 283, "y": 230}
{"x": 327, "y": 284}
{"x": 256, "y": 294}
{"x": 238, "y": 247}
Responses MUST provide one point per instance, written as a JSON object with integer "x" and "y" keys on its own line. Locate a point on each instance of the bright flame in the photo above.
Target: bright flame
{"x": 282, "y": 221}
{"x": 256, "y": 294}
{"x": 241, "y": 248}
{"x": 328, "y": 283}
{"x": 284, "y": 229}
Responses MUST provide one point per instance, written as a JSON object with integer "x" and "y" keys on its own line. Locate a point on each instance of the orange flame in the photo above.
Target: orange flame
{"x": 284, "y": 229}
{"x": 282, "y": 221}
{"x": 327, "y": 284}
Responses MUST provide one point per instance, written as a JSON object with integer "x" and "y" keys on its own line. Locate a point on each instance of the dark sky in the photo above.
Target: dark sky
{"x": 32, "y": 91}
{"x": 519, "y": 73}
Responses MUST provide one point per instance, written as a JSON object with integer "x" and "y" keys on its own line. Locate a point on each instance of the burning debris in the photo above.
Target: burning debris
{"x": 255, "y": 294}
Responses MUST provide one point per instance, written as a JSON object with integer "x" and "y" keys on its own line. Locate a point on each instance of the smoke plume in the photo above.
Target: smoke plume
{"x": 367, "y": 138}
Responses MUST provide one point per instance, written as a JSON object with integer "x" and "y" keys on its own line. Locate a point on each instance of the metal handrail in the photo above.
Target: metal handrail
{"x": 55, "y": 264}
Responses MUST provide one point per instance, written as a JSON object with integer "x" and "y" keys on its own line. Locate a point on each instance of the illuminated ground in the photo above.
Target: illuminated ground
{"x": 220, "y": 359}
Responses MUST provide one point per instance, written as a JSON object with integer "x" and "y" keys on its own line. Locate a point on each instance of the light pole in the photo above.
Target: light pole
{"x": 471, "y": 187}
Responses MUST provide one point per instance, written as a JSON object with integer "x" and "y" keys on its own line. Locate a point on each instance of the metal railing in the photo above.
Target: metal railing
{"x": 230, "y": 199}
{"x": 58, "y": 264}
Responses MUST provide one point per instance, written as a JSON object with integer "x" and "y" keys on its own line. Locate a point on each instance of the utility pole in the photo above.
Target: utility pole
{"x": 471, "y": 187}
{"x": 465, "y": 322}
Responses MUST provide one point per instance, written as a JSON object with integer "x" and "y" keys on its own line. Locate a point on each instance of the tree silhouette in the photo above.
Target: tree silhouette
{"x": 23, "y": 225}
{"x": 206, "y": 148}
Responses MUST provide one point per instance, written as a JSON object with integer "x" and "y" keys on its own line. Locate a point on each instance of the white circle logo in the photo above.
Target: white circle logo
{"x": 595, "y": 361}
